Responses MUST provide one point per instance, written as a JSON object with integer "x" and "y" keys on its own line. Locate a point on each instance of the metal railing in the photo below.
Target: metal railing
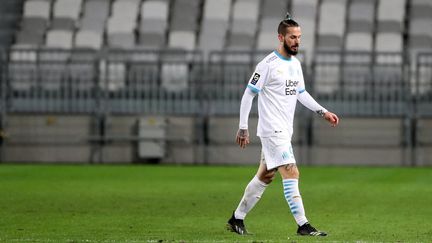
{"x": 179, "y": 82}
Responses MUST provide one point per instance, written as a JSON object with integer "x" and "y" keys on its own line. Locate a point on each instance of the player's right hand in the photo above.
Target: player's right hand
{"x": 242, "y": 138}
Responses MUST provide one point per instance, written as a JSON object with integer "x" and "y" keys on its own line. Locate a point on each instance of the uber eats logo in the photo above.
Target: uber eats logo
{"x": 291, "y": 87}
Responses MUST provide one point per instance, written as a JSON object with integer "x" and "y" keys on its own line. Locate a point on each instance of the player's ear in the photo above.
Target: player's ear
{"x": 281, "y": 38}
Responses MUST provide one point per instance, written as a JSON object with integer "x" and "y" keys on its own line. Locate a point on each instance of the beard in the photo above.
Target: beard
{"x": 288, "y": 49}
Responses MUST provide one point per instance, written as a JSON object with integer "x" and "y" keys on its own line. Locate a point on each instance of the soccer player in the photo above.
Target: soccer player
{"x": 278, "y": 81}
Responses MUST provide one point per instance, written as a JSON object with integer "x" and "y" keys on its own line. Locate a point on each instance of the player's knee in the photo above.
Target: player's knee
{"x": 289, "y": 171}
{"x": 268, "y": 177}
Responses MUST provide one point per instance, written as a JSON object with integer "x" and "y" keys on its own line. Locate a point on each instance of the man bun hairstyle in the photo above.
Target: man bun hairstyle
{"x": 285, "y": 23}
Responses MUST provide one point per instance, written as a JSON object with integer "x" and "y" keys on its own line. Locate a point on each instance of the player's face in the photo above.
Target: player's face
{"x": 291, "y": 40}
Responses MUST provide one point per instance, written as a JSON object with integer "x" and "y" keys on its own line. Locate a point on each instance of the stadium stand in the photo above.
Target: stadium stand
{"x": 153, "y": 24}
{"x": 243, "y": 26}
{"x": 390, "y": 26}
{"x": 95, "y": 14}
{"x": 184, "y": 24}
{"x": 122, "y": 24}
{"x": 305, "y": 12}
{"x": 331, "y": 27}
{"x": 192, "y": 58}
{"x": 266, "y": 37}
{"x": 214, "y": 25}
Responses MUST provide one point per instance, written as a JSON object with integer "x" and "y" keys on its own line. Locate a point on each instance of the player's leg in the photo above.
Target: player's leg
{"x": 254, "y": 191}
{"x": 251, "y": 196}
{"x": 290, "y": 177}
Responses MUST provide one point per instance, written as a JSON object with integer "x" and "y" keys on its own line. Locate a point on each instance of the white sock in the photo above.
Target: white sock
{"x": 252, "y": 194}
{"x": 295, "y": 202}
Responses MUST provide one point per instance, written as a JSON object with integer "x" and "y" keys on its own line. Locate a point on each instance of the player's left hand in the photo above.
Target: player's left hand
{"x": 332, "y": 118}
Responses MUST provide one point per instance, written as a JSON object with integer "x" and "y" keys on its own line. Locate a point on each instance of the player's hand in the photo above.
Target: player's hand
{"x": 242, "y": 138}
{"x": 332, "y": 118}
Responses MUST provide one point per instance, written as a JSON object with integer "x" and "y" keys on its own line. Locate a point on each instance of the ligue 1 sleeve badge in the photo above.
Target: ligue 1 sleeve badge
{"x": 255, "y": 78}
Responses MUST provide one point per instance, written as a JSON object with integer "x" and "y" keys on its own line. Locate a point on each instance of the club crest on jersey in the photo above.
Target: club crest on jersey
{"x": 255, "y": 78}
{"x": 291, "y": 87}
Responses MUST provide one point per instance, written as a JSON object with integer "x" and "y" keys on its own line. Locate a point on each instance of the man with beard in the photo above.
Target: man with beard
{"x": 278, "y": 79}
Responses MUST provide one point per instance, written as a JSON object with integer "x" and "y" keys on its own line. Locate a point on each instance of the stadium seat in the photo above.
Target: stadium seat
{"x": 88, "y": 39}
{"x": 390, "y": 26}
{"x": 62, "y": 24}
{"x": 154, "y": 23}
{"x": 273, "y": 9}
{"x": 70, "y": 9}
{"x": 184, "y": 15}
{"x": 151, "y": 40}
{"x": 361, "y": 15}
{"x": 156, "y": 26}
{"x": 267, "y": 41}
{"x": 37, "y": 9}
{"x": 95, "y": 15}
{"x": 304, "y": 12}
{"x": 331, "y": 13}
{"x": 184, "y": 24}
{"x": 25, "y": 37}
{"x": 121, "y": 40}
{"x": 332, "y": 17}
{"x": 362, "y": 10}
{"x": 59, "y": 39}
{"x": 329, "y": 43}
{"x": 182, "y": 40}
{"x": 217, "y": 9}
{"x": 34, "y": 24}
{"x": 122, "y": 24}
{"x": 214, "y": 25}
{"x": 32, "y": 31}
{"x": 126, "y": 9}
{"x": 391, "y": 10}
{"x": 243, "y": 26}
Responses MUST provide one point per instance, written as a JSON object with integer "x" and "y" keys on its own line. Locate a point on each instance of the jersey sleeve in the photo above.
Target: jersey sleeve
{"x": 258, "y": 78}
{"x": 301, "y": 86}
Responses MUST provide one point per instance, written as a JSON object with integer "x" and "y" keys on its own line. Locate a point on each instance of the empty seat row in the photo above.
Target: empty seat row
{"x": 216, "y": 25}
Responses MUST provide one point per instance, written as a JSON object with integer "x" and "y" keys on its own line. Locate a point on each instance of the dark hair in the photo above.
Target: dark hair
{"x": 284, "y": 24}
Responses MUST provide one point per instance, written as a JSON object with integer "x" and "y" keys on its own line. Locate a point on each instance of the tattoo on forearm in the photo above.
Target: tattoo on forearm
{"x": 320, "y": 112}
{"x": 243, "y": 133}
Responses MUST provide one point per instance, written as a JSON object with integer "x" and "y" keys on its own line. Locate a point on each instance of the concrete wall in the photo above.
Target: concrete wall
{"x": 47, "y": 138}
{"x": 357, "y": 141}
{"x": 423, "y": 152}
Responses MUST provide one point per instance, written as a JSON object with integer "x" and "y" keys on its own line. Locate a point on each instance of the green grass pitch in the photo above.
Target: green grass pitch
{"x": 150, "y": 203}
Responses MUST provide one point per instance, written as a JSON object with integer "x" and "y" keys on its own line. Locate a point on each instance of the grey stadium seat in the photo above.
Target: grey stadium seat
{"x": 153, "y": 24}
{"x": 62, "y": 24}
{"x": 243, "y": 25}
{"x": 151, "y": 40}
{"x": 88, "y": 39}
{"x": 95, "y": 15}
{"x": 37, "y": 8}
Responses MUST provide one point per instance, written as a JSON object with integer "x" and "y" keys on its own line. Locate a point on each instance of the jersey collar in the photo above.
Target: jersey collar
{"x": 282, "y": 57}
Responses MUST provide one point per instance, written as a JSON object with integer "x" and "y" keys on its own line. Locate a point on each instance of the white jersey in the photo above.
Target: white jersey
{"x": 278, "y": 81}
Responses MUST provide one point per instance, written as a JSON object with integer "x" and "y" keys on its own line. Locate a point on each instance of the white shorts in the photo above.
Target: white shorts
{"x": 276, "y": 151}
